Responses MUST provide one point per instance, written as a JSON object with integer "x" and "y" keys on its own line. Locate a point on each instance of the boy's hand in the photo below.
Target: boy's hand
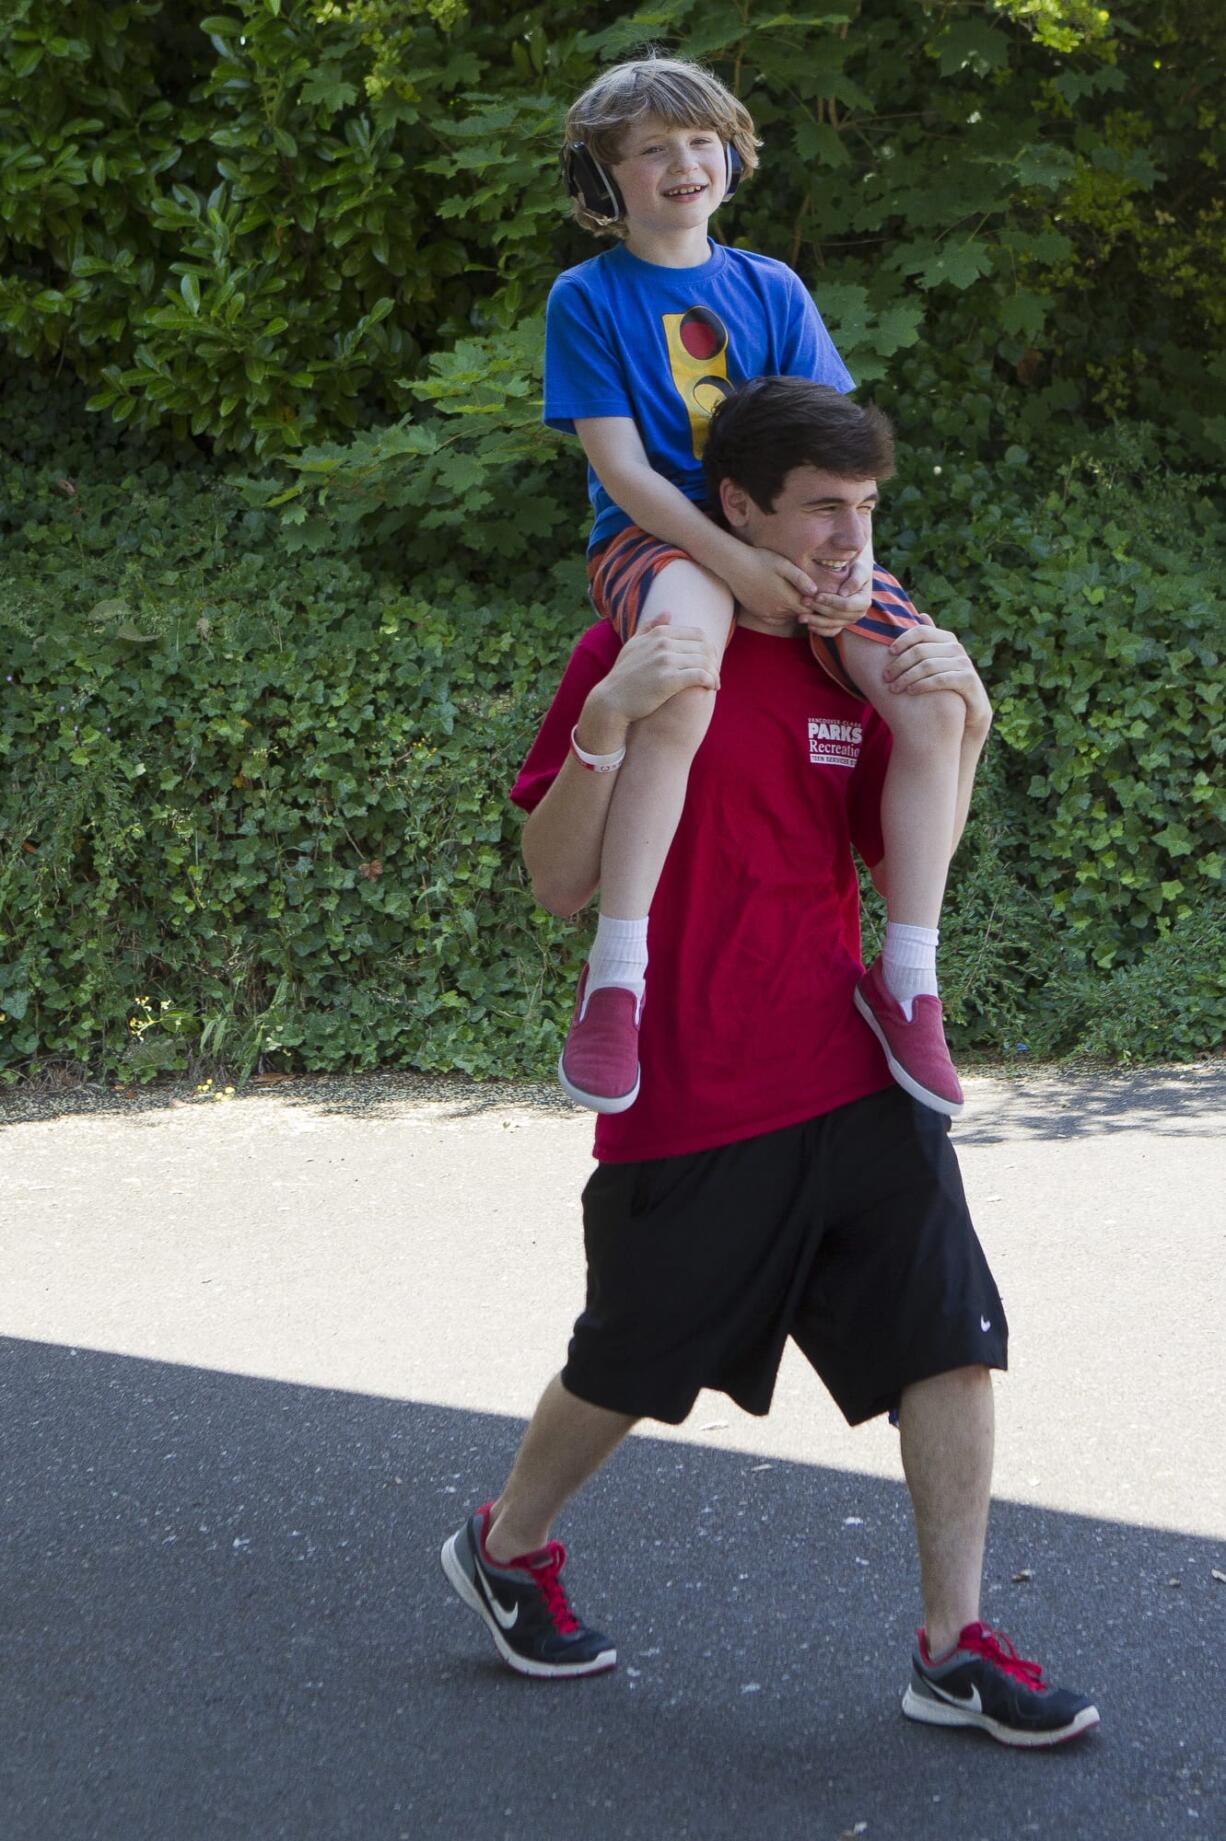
{"x": 926, "y": 658}
{"x": 769, "y": 586}
{"x": 653, "y": 666}
{"x": 831, "y": 613}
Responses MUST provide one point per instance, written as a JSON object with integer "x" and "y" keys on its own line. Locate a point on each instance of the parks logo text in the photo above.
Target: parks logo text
{"x": 833, "y": 743}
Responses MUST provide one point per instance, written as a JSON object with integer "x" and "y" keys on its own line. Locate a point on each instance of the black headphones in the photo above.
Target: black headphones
{"x": 597, "y": 190}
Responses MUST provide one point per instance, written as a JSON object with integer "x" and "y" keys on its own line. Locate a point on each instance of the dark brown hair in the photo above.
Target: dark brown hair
{"x": 761, "y": 431}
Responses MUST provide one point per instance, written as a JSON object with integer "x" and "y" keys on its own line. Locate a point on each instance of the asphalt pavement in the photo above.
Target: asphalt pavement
{"x": 259, "y": 1356}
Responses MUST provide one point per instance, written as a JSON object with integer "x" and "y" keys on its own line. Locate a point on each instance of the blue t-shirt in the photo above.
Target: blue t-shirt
{"x": 624, "y": 337}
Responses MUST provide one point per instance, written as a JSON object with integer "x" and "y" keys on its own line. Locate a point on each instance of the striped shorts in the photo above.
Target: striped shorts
{"x": 621, "y": 571}
{"x": 892, "y": 612}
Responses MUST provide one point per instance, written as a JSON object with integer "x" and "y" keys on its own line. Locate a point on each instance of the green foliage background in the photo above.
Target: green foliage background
{"x": 280, "y": 609}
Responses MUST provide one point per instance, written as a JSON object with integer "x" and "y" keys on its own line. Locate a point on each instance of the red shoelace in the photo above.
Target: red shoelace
{"x": 994, "y": 1646}
{"x": 545, "y": 1571}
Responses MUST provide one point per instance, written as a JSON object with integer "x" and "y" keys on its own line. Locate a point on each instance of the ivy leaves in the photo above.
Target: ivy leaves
{"x": 261, "y": 783}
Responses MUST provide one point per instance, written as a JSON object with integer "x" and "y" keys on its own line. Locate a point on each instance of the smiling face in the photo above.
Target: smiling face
{"x": 819, "y": 521}
{"x": 671, "y": 178}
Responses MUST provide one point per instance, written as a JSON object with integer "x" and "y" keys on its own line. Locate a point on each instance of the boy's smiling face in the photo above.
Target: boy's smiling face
{"x": 671, "y": 178}
{"x": 819, "y": 521}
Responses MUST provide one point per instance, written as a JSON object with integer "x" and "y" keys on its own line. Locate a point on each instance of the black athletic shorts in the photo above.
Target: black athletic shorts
{"x": 849, "y": 1233}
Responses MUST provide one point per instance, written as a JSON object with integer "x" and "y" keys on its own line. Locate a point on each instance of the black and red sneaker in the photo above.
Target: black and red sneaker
{"x": 524, "y": 1605}
{"x": 983, "y": 1682}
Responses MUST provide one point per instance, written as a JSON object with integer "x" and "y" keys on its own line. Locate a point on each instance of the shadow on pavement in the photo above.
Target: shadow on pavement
{"x": 1162, "y": 1102}
{"x": 224, "y": 1616}
{"x": 384, "y": 1093}
{"x": 1048, "y": 1104}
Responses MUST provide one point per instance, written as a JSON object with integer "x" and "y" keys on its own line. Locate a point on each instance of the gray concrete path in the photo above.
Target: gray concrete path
{"x": 258, "y": 1356}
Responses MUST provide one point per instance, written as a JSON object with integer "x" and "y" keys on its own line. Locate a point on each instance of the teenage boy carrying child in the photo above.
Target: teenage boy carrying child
{"x": 780, "y": 1185}
{"x": 642, "y": 342}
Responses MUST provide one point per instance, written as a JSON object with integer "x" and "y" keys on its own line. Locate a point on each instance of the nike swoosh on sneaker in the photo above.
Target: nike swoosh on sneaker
{"x": 970, "y": 1701}
{"x": 508, "y": 1619}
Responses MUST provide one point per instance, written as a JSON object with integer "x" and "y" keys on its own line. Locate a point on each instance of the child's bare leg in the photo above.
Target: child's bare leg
{"x": 599, "y": 1065}
{"x": 918, "y": 807}
{"x": 919, "y": 799}
{"x": 646, "y": 805}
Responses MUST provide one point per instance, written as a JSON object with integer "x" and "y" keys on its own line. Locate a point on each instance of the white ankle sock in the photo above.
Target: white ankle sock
{"x": 618, "y": 954}
{"x": 909, "y": 963}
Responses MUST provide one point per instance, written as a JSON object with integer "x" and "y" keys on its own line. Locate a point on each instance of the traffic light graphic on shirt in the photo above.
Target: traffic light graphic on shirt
{"x": 698, "y": 360}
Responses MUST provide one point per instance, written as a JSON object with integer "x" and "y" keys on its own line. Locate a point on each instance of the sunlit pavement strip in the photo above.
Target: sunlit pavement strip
{"x": 430, "y": 1250}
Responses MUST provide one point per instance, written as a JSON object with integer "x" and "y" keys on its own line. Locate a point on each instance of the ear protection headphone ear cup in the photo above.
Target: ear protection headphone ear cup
{"x": 735, "y": 169}
{"x": 590, "y": 182}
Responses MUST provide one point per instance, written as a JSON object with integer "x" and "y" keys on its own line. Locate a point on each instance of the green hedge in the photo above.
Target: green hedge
{"x": 253, "y": 808}
{"x": 254, "y": 805}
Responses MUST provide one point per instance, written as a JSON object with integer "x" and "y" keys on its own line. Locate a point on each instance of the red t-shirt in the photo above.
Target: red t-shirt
{"x": 754, "y": 939}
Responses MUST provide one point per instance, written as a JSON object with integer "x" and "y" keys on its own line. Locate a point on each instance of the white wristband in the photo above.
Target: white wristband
{"x": 595, "y": 763}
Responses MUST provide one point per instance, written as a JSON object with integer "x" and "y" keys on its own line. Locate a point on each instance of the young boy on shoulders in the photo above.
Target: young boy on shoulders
{"x": 642, "y": 343}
